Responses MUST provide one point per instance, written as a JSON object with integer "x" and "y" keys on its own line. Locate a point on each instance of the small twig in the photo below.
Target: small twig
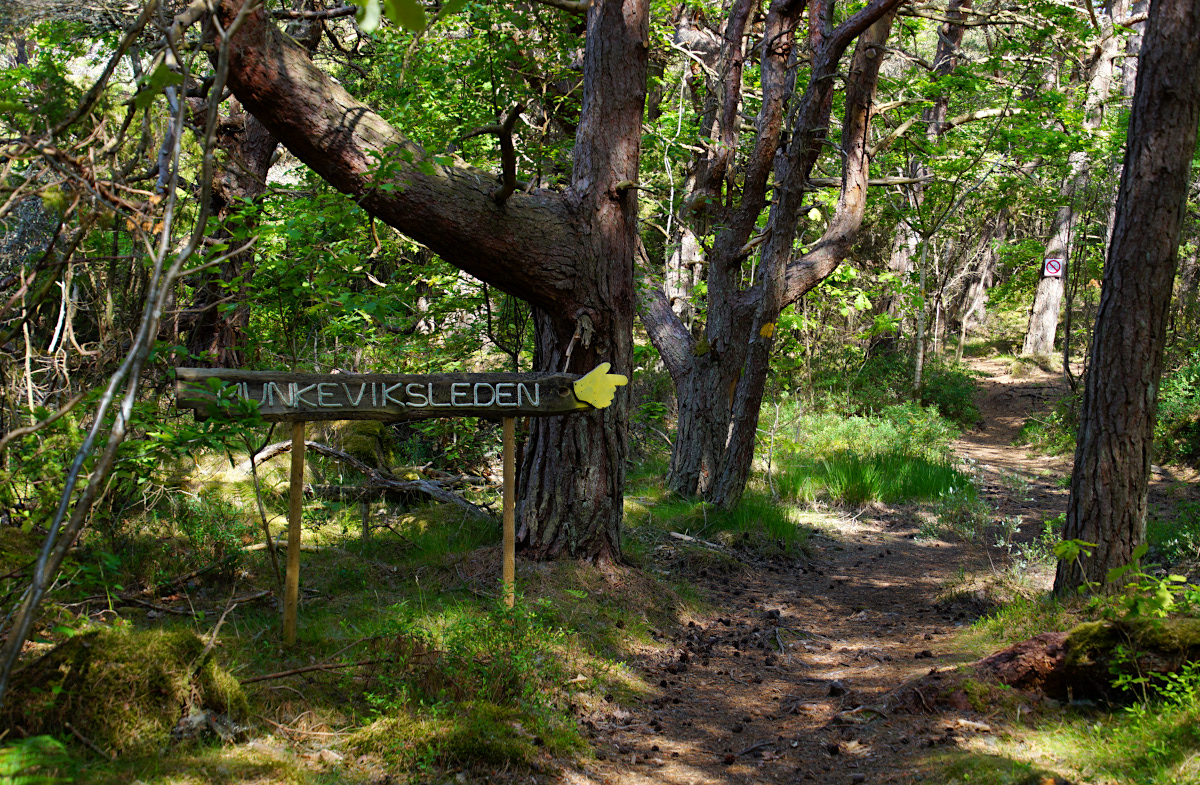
{"x": 924, "y": 703}
{"x": 754, "y": 747}
{"x": 91, "y": 744}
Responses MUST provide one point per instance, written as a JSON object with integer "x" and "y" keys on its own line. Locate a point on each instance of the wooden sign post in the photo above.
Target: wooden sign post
{"x": 300, "y": 397}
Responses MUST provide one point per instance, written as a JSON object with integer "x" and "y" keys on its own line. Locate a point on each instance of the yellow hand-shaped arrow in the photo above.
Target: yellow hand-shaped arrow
{"x": 598, "y": 387}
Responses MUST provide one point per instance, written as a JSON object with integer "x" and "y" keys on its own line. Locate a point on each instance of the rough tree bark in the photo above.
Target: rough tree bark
{"x": 1116, "y": 432}
{"x": 720, "y": 376}
{"x": 1047, "y": 300}
{"x": 570, "y": 255}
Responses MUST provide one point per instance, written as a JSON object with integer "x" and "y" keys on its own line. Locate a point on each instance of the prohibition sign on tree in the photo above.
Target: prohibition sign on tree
{"x": 1053, "y": 267}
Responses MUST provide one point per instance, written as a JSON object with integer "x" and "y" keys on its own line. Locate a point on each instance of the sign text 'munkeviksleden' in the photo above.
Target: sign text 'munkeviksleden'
{"x": 311, "y": 396}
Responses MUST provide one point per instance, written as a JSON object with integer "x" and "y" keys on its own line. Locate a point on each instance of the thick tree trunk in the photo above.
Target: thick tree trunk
{"x": 569, "y": 255}
{"x": 1116, "y": 432}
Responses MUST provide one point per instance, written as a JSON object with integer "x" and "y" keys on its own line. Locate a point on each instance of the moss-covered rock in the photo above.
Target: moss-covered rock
{"x": 369, "y": 441}
{"x": 1097, "y": 652}
{"x": 125, "y": 690}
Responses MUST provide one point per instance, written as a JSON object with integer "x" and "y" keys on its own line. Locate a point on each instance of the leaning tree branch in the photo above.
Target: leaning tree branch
{"x": 952, "y": 123}
{"x": 447, "y": 208}
{"x": 328, "y": 13}
{"x": 570, "y": 6}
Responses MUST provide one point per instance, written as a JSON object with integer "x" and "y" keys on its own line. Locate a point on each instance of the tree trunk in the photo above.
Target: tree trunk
{"x": 218, "y": 316}
{"x": 720, "y": 376}
{"x": 1116, "y": 432}
{"x": 217, "y": 334}
{"x": 570, "y": 255}
{"x": 1047, "y": 301}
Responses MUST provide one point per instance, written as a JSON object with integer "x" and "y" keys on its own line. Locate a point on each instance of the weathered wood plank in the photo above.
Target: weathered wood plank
{"x": 283, "y": 397}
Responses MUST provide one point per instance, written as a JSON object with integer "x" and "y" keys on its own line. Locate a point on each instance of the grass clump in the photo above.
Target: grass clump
{"x": 468, "y": 687}
{"x": 855, "y": 480}
{"x": 1023, "y": 618}
{"x": 123, "y": 689}
{"x": 1176, "y": 540}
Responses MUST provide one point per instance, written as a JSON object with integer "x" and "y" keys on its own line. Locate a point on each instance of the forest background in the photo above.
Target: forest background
{"x": 821, "y": 214}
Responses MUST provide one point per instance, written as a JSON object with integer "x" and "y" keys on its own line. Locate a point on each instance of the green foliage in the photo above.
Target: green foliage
{"x": 212, "y": 526}
{"x": 37, "y": 760}
{"x": 468, "y": 687}
{"x": 1177, "y": 431}
{"x": 904, "y": 428}
{"x": 1054, "y": 432}
{"x": 1177, "y": 539}
{"x": 1023, "y": 618}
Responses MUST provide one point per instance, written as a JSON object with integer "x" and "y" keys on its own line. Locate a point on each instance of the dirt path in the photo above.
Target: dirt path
{"x": 785, "y": 682}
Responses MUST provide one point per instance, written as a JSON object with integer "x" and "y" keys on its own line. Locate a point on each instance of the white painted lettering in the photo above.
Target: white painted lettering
{"x": 297, "y": 396}
{"x": 536, "y": 398}
{"x": 387, "y": 393}
{"x": 322, "y": 394}
{"x": 274, "y": 388}
{"x": 487, "y": 387}
{"x": 362, "y": 388}
{"x": 505, "y": 397}
{"x": 433, "y": 402}
{"x": 416, "y": 391}
{"x": 373, "y": 401}
{"x": 455, "y": 394}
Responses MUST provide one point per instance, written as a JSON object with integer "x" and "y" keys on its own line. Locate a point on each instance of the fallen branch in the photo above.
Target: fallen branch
{"x": 328, "y": 666}
{"x": 90, "y": 744}
{"x": 430, "y": 488}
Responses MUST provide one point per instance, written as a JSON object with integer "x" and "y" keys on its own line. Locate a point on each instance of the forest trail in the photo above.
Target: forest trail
{"x": 787, "y": 681}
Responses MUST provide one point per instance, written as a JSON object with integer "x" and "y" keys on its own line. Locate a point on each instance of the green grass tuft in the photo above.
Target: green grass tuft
{"x": 855, "y": 480}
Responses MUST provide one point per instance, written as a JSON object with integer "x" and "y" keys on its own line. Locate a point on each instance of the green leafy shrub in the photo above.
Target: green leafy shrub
{"x": 885, "y": 380}
{"x": 951, "y": 388}
{"x": 1177, "y": 432}
{"x": 1054, "y": 432}
{"x": 39, "y": 760}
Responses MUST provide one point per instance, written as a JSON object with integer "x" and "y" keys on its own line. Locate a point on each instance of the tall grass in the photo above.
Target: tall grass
{"x": 855, "y": 480}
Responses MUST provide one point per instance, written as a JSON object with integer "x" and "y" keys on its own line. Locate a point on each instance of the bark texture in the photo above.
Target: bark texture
{"x": 1116, "y": 432}
{"x": 570, "y": 255}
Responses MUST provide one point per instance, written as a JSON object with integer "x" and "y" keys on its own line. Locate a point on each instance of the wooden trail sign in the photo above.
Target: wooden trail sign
{"x": 392, "y": 397}
{"x": 300, "y": 397}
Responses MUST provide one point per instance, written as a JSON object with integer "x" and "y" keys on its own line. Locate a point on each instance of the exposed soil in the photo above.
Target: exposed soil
{"x": 792, "y": 678}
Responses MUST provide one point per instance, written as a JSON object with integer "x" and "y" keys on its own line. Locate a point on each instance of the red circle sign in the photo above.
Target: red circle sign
{"x": 1054, "y": 267}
